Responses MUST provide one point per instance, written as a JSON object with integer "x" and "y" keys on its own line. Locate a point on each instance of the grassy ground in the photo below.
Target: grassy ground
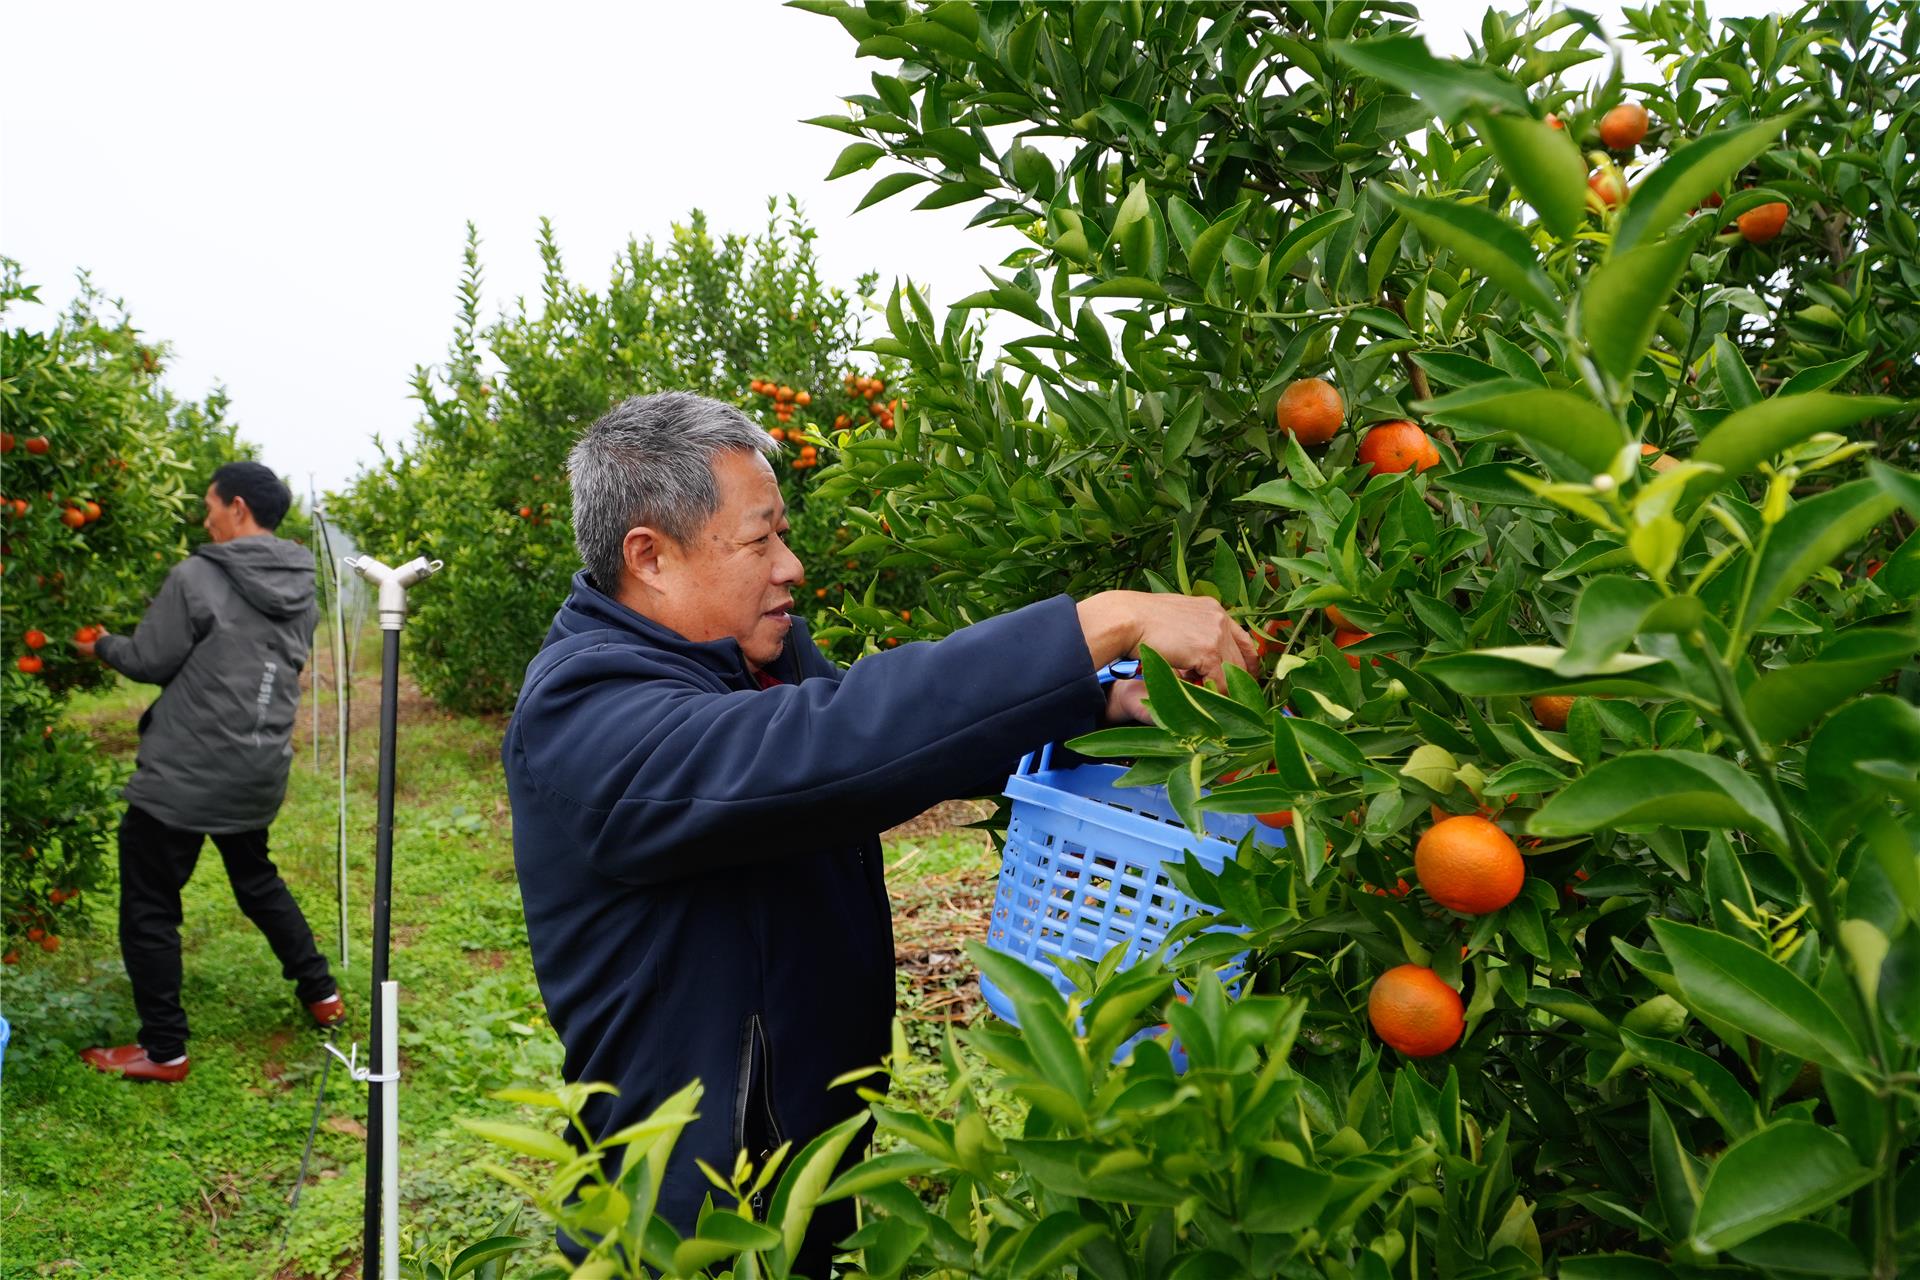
{"x": 103, "y": 1178}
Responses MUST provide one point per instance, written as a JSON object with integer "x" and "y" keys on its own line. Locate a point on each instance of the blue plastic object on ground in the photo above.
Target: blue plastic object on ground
{"x": 6, "y": 1033}
{"x": 1085, "y": 868}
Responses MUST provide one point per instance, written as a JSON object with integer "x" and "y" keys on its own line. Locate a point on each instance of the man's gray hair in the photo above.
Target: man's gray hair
{"x": 649, "y": 461}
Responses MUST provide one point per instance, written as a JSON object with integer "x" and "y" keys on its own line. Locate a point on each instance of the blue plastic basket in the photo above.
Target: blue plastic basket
{"x": 1085, "y": 868}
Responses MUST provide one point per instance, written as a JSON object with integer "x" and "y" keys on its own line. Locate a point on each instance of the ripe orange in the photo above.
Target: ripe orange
{"x": 1468, "y": 864}
{"x": 92, "y": 509}
{"x": 50, "y": 943}
{"x": 783, "y": 394}
{"x": 1338, "y": 619}
{"x": 1342, "y": 639}
{"x": 1608, "y": 185}
{"x": 1310, "y": 411}
{"x": 73, "y": 517}
{"x": 1555, "y": 122}
{"x": 1415, "y": 1012}
{"x": 35, "y": 639}
{"x": 1397, "y": 446}
{"x": 803, "y": 398}
{"x": 38, "y": 445}
{"x": 1281, "y": 818}
{"x": 1552, "y": 709}
{"x": 30, "y": 664}
{"x": 1266, "y": 638}
{"x": 1623, "y": 127}
{"x": 1764, "y": 223}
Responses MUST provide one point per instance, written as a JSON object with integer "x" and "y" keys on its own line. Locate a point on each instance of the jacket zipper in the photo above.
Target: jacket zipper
{"x": 755, "y": 1089}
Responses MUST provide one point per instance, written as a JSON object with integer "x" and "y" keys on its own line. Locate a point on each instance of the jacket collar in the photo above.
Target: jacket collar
{"x": 588, "y": 608}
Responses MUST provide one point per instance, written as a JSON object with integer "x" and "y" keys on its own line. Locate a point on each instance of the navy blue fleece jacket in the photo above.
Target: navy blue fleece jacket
{"x": 699, "y": 857}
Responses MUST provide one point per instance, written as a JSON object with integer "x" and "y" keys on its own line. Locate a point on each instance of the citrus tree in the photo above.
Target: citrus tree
{"x": 482, "y": 483}
{"x": 1543, "y": 433}
{"x": 96, "y": 492}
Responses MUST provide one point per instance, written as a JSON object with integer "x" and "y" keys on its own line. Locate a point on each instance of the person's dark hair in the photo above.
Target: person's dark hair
{"x": 267, "y": 497}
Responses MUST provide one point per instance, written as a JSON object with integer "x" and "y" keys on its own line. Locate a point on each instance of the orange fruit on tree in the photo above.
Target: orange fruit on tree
{"x": 1342, "y": 639}
{"x": 1552, "y": 709}
{"x": 1764, "y": 223}
{"x": 1310, "y": 410}
{"x": 92, "y": 509}
{"x": 1469, "y": 865}
{"x": 1555, "y": 122}
{"x": 1266, "y": 638}
{"x": 1608, "y": 185}
{"x": 783, "y": 394}
{"x": 35, "y": 639}
{"x": 1623, "y": 127}
{"x": 1279, "y": 818}
{"x": 1338, "y": 619}
{"x": 1415, "y": 1012}
{"x": 1398, "y": 446}
{"x": 73, "y": 517}
{"x": 30, "y": 664}
{"x": 803, "y": 398}
{"x": 39, "y": 445}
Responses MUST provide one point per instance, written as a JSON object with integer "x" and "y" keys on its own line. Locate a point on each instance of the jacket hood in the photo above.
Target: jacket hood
{"x": 272, "y": 574}
{"x": 589, "y": 610}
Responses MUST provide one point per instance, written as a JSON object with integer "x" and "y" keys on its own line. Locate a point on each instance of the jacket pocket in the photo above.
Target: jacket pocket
{"x": 756, "y": 1129}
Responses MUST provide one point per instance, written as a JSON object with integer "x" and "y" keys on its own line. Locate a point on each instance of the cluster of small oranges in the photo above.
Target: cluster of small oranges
{"x": 1621, "y": 130}
{"x": 31, "y": 663}
{"x": 786, "y": 403}
{"x": 869, "y": 390}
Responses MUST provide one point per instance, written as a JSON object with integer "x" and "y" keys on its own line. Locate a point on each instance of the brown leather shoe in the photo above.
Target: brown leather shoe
{"x": 328, "y": 1012}
{"x": 131, "y": 1061}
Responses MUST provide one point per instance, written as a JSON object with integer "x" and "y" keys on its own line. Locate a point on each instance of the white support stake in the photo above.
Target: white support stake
{"x": 390, "y": 1130}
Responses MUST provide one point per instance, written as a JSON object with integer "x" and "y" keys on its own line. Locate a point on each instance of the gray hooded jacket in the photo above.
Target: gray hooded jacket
{"x": 226, "y": 640}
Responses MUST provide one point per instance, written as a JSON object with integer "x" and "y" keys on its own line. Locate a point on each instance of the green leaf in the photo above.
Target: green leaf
{"x": 1787, "y": 700}
{"x": 1486, "y": 242}
{"x": 1690, "y": 175}
{"x": 538, "y": 1143}
{"x": 1748, "y": 437}
{"x": 1211, "y": 243}
{"x": 1531, "y": 669}
{"x": 1803, "y": 1248}
{"x": 1736, "y": 380}
{"x": 481, "y": 1252}
{"x": 1714, "y": 1087}
{"x": 1122, "y": 287}
{"x": 1051, "y": 1242}
{"x": 1305, "y": 236}
{"x": 1449, "y": 87}
{"x": 1811, "y": 535}
{"x": 1866, "y": 749}
{"x": 1170, "y": 702}
{"x": 1620, "y": 303}
{"x": 1660, "y": 789}
{"x": 1724, "y": 978}
{"x": 1899, "y": 485}
{"x": 1674, "y": 1182}
{"x": 891, "y": 185}
{"x": 1545, "y": 165}
{"x": 1606, "y": 618}
{"x": 1567, "y": 423}
{"x": 804, "y": 1182}
{"x": 858, "y": 156}
{"x": 1783, "y": 1172}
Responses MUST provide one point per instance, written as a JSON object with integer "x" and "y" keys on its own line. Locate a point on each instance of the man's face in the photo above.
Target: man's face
{"x": 223, "y": 518}
{"x": 735, "y": 576}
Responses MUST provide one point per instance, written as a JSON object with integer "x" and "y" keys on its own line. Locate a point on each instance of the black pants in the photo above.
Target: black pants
{"x": 156, "y": 861}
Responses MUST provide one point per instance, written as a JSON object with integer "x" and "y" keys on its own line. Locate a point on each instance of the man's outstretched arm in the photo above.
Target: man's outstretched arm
{"x": 160, "y": 644}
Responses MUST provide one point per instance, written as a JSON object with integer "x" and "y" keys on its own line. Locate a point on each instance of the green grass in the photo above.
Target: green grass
{"x": 99, "y": 1177}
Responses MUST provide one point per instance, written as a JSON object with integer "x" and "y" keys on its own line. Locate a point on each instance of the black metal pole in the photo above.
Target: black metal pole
{"x": 382, "y": 927}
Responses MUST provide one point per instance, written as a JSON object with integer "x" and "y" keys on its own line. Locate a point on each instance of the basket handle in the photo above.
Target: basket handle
{"x": 1042, "y": 760}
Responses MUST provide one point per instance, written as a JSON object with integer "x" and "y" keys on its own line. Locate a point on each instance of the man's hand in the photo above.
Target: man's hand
{"x": 86, "y": 646}
{"x": 1193, "y": 633}
{"x": 1126, "y": 704}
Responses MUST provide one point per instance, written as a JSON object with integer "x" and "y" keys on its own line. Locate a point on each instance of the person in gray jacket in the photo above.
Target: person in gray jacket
{"x": 225, "y": 639}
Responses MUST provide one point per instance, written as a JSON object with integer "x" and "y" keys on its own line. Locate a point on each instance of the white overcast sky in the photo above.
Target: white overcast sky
{"x": 280, "y": 192}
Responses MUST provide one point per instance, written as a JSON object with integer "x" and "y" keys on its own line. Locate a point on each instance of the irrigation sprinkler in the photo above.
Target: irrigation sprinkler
{"x": 383, "y": 1049}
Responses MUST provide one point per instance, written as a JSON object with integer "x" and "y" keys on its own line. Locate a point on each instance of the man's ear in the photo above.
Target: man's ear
{"x": 642, "y": 551}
